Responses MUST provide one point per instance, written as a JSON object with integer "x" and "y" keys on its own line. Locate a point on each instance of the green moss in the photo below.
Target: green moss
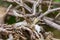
{"x": 53, "y": 30}
{"x": 11, "y": 20}
{"x": 57, "y": 0}
{"x": 6, "y": 4}
{"x": 56, "y": 33}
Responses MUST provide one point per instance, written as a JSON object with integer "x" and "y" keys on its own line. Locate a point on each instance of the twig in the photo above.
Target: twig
{"x": 25, "y": 6}
{"x": 31, "y": 1}
{"x": 8, "y": 8}
{"x": 57, "y": 15}
{"x": 49, "y": 7}
{"x": 28, "y": 8}
{"x": 16, "y": 14}
{"x": 40, "y": 7}
{"x": 24, "y": 11}
{"x": 35, "y": 6}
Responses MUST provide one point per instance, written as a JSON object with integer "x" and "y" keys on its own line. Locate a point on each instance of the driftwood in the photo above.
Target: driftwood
{"x": 29, "y": 28}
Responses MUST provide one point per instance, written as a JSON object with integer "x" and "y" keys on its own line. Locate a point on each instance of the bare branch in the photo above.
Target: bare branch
{"x": 51, "y": 24}
{"x": 49, "y": 11}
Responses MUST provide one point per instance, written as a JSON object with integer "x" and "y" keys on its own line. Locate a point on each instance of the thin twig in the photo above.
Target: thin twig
{"x": 35, "y": 6}
{"x": 8, "y": 8}
{"x": 40, "y": 7}
{"x": 57, "y": 15}
{"x": 49, "y": 7}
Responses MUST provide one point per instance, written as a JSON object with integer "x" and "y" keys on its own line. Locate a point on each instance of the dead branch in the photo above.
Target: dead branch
{"x": 49, "y": 11}
{"x": 51, "y": 24}
{"x": 29, "y": 28}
